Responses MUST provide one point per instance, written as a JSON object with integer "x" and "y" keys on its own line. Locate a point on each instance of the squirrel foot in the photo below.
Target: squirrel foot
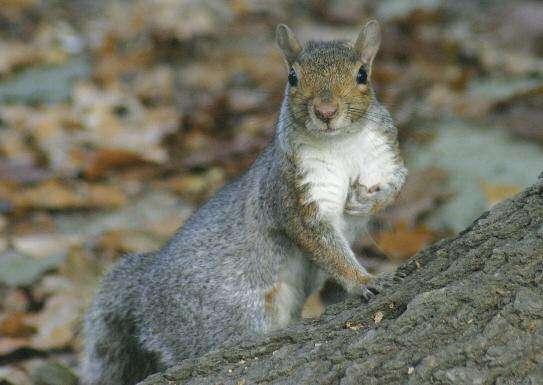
{"x": 367, "y": 294}
{"x": 380, "y": 283}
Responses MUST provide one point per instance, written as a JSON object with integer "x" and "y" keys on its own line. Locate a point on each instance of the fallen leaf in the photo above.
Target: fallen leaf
{"x": 117, "y": 242}
{"x": 15, "y": 325}
{"x": 102, "y": 195}
{"x": 354, "y": 325}
{"x": 102, "y": 161}
{"x": 378, "y": 317}
{"x": 403, "y": 241}
{"x": 57, "y": 195}
{"x": 45, "y": 245}
{"x": 16, "y": 55}
{"x": 57, "y": 321}
{"x": 52, "y": 284}
{"x": 495, "y": 193}
{"x": 196, "y": 187}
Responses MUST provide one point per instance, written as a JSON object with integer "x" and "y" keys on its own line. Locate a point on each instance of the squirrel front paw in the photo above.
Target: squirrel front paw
{"x": 363, "y": 200}
{"x": 381, "y": 282}
{"x": 373, "y": 284}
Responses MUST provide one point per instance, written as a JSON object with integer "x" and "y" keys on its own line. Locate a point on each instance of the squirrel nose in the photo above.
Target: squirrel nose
{"x": 325, "y": 111}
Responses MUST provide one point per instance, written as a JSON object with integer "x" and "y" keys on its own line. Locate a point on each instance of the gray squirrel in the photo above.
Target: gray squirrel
{"x": 246, "y": 261}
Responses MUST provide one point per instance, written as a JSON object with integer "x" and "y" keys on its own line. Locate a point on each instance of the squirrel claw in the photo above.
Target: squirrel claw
{"x": 400, "y": 276}
{"x": 384, "y": 281}
{"x": 367, "y": 294}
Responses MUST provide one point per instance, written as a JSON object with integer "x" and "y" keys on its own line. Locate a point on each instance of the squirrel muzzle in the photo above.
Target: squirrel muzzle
{"x": 325, "y": 111}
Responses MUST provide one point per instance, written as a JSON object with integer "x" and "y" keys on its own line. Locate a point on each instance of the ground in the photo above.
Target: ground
{"x": 118, "y": 118}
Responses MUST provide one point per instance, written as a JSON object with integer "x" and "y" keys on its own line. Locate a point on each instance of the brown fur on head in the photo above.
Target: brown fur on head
{"x": 324, "y": 95}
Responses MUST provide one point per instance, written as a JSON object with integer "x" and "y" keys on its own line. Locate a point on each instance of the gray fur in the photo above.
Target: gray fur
{"x": 208, "y": 284}
{"x": 205, "y": 287}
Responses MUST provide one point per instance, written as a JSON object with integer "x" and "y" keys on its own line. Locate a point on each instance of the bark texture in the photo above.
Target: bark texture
{"x": 470, "y": 311}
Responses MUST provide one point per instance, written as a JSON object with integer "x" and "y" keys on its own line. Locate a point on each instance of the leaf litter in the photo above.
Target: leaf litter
{"x": 118, "y": 119}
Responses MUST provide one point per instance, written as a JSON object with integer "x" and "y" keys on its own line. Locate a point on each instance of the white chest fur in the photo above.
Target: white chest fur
{"x": 331, "y": 165}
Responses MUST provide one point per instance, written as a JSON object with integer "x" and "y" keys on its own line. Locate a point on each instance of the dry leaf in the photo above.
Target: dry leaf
{"x": 56, "y": 195}
{"x": 102, "y": 195}
{"x": 403, "y": 242}
{"x": 196, "y": 187}
{"x": 44, "y": 245}
{"x": 495, "y": 193}
{"x": 57, "y": 321}
{"x": 354, "y": 325}
{"x": 378, "y": 317}
{"x": 15, "y": 325}
{"x": 100, "y": 162}
{"x": 118, "y": 242}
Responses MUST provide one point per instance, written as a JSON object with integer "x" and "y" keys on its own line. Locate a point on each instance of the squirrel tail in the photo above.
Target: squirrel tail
{"x": 113, "y": 354}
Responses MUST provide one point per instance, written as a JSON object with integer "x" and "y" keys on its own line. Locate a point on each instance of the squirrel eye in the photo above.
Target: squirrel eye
{"x": 292, "y": 78}
{"x": 362, "y": 76}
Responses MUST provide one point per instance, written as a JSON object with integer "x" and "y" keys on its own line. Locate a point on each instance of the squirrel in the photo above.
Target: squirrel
{"x": 245, "y": 262}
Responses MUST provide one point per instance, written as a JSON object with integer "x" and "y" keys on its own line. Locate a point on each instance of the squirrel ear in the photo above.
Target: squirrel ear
{"x": 368, "y": 41}
{"x": 288, "y": 43}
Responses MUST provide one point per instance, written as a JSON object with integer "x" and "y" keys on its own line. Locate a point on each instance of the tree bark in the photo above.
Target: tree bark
{"x": 470, "y": 311}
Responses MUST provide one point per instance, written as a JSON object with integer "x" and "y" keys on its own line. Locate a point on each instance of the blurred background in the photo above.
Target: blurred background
{"x": 118, "y": 118}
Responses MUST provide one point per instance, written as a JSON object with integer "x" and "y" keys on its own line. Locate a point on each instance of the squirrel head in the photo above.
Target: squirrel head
{"x": 329, "y": 86}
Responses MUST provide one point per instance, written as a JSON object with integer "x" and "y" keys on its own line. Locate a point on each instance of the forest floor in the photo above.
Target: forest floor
{"x": 117, "y": 119}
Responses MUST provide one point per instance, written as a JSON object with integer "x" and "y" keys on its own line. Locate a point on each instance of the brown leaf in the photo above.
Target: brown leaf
{"x": 378, "y": 317}
{"x": 16, "y": 55}
{"x": 403, "y": 242}
{"x": 102, "y": 195}
{"x": 354, "y": 325}
{"x": 15, "y": 325}
{"x": 47, "y": 195}
{"x": 196, "y": 187}
{"x": 57, "y": 195}
{"x": 56, "y": 322}
{"x": 100, "y": 162}
{"x": 117, "y": 242}
{"x": 495, "y": 193}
